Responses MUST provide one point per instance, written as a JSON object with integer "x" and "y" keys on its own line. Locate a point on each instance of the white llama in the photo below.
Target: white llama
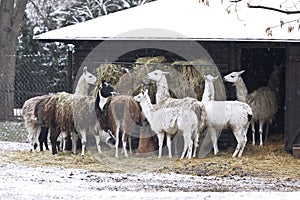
{"x": 263, "y": 102}
{"x": 209, "y": 90}
{"x": 170, "y": 121}
{"x": 163, "y": 99}
{"x": 223, "y": 114}
{"x": 83, "y": 82}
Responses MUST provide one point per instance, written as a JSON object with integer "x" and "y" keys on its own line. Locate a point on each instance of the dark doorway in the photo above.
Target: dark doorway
{"x": 266, "y": 67}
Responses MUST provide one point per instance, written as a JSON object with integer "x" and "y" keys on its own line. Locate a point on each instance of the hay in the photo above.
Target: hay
{"x": 270, "y": 161}
{"x": 202, "y": 67}
{"x": 184, "y": 79}
{"x": 151, "y": 60}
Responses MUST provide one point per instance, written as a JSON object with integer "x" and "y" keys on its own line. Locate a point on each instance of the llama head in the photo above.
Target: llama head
{"x": 156, "y": 75}
{"x": 141, "y": 96}
{"x": 233, "y": 77}
{"x": 210, "y": 78}
{"x": 106, "y": 90}
{"x": 89, "y": 78}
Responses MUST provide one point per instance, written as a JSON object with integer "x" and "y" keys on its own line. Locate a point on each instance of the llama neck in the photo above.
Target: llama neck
{"x": 147, "y": 109}
{"x": 82, "y": 87}
{"x": 241, "y": 90}
{"x": 102, "y": 102}
{"x": 209, "y": 92}
{"x": 162, "y": 90}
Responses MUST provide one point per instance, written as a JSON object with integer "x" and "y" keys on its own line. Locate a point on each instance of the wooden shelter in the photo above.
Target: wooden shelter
{"x": 176, "y": 28}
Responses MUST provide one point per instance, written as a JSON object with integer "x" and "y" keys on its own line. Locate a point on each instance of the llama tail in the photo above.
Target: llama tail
{"x": 249, "y": 117}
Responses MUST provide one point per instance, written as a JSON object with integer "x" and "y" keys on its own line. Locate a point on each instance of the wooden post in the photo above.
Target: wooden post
{"x": 69, "y": 71}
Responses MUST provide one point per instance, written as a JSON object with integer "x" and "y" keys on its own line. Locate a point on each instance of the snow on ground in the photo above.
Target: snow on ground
{"x": 13, "y": 146}
{"x": 22, "y": 182}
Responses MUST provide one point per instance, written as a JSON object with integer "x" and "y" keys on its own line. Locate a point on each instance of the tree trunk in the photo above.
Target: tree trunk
{"x": 11, "y": 17}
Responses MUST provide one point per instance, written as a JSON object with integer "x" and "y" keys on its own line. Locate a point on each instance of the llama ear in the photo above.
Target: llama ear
{"x": 146, "y": 92}
{"x": 241, "y": 72}
{"x": 85, "y": 70}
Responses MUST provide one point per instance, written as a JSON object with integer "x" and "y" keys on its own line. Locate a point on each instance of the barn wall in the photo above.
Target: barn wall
{"x": 292, "y": 114}
{"x": 227, "y": 57}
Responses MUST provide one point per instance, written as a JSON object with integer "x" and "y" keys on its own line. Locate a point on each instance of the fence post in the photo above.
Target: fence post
{"x": 69, "y": 71}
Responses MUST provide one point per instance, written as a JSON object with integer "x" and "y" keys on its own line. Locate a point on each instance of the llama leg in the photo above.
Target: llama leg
{"x": 244, "y": 141}
{"x": 130, "y": 144}
{"x": 37, "y": 134}
{"x": 196, "y": 143}
{"x": 43, "y": 138}
{"x": 253, "y": 131}
{"x": 124, "y": 141}
{"x": 239, "y": 138}
{"x": 267, "y": 130}
{"x": 190, "y": 149}
{"x": 34, "y": 133}
{"x": 175, "y": 140}
{"x": 169, "y": 145}
{"x": 46, "y": 138}
{"x": 54, "y": 133}
{"x": 117, "y": 139}
{"x": 83, "y": 142}
{"x": 74, "y": 142}
{"x": 30, "y": 131}
{"x": 214, "y": 139}
{"x": 97, "y": 138}
{"x": 64, "y": 141}
{"x": 160, "y": 137}
{"x": 261, "y": 125}
{"x": 41, "y": 141}
{"x": 185, "y": 147}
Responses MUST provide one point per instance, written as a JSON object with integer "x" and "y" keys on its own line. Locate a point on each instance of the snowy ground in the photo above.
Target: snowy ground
{"x": 22, "y": 182}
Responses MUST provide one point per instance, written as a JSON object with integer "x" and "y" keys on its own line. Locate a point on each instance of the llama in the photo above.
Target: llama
{"x": 170, "y": 121}
{"x": 30, "y": 118}
{"x": 262, "y": 101}
{"x": 118, "y": 113}
{"x": 81, "y": 89}
{"x": 39, "y": 114}
{"x": 163, "y": 99}
{"x": 222, "y": 114}
{"x": 233, "y": 114}
{"x": 209, "y": 91}
{"x": 83, "y": 82}
{"x": 70, "y": 113}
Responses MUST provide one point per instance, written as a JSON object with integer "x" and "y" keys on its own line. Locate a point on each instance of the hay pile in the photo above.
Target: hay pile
{"x": 186, "y": 78}
{"x": 199, "y": 68}
{"x": 269, "y": 161}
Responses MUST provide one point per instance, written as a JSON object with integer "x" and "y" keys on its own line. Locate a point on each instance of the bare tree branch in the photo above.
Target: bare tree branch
{"x": 273, "y": 9}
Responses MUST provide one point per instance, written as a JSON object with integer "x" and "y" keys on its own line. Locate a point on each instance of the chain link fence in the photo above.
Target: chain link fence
{"x": 33, "y": 77}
